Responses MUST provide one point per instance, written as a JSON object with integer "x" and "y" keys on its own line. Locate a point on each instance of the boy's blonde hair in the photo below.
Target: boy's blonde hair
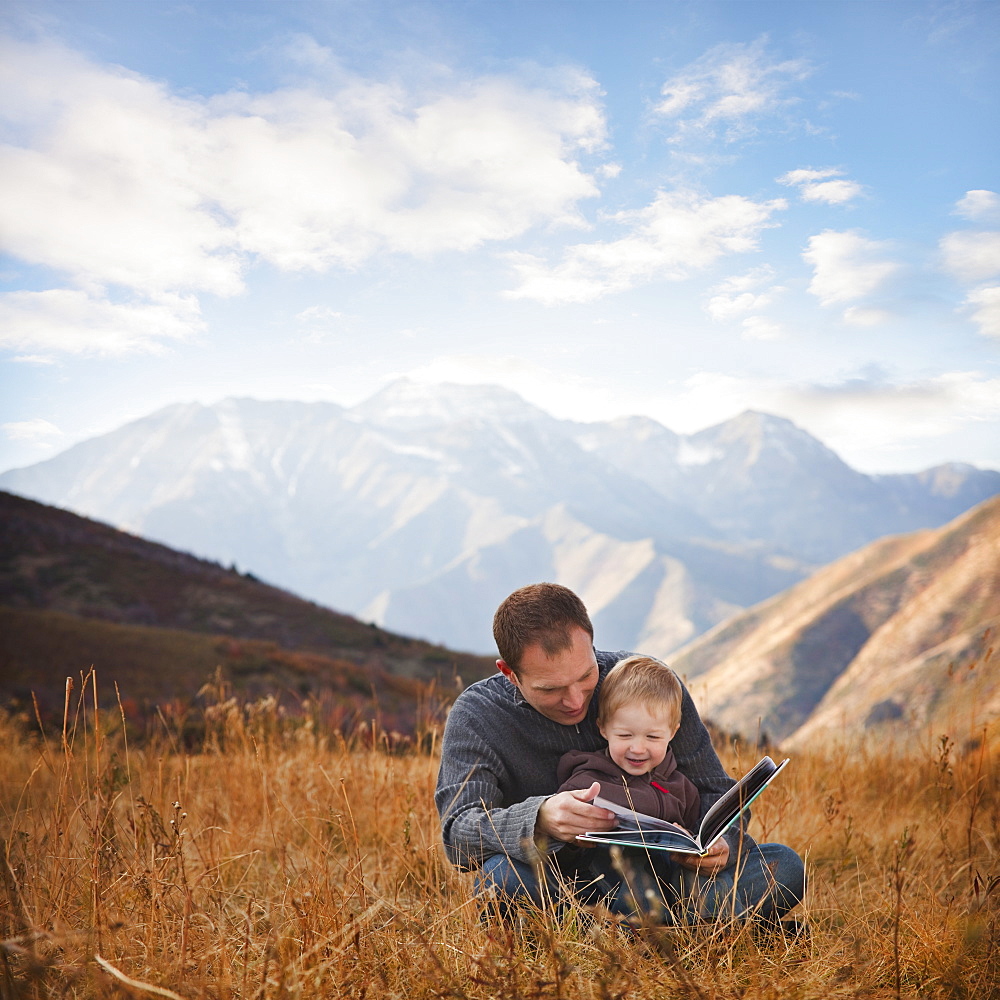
{"x": 640, "y": 679}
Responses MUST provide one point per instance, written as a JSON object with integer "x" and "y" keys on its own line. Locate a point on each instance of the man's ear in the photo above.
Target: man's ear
{"x": 507, "y": 672}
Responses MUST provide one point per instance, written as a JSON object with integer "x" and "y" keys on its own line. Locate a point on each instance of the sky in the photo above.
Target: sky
{"x": 678, "y": 209}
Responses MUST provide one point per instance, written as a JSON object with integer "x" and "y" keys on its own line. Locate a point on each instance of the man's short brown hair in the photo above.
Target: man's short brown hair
{"x": 644, "y": 680}
{"x": 542, "y": 614}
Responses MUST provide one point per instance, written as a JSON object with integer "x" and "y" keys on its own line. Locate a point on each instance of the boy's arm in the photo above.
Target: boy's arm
{"x": 576, "y": 771}
{"x": 697, "y": 759}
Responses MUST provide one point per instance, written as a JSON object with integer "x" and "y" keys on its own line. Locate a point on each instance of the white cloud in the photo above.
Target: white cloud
{"x": 115, "y": 182}
{"x": 319, "y": 314}
{"x": 861, "y": 316}
{"x": 986, "y": 309}
{"x": 679, "y": 94}
{"x": 73, "y": 322}
{"x": 846, "y": 266}
{"x": 762, "y": 328}
{"x": 972, "y": 256}
{"x": 873, "y": 422}
{"x": 832, "y": 192}
{"x": 324, "y": 180}
{"x": 816, "y": 185}
{"x": 34, "y": 432}
{"x": 738, "y": 295}
{"x": 707, "y": 398}
{"x": 979, "y": 206}
{"x": 677, "y": 234}
{"x": 105, "y": 184}
{"x": 33, "y": 359}
{"x": 727, "y": 306}
{"x": 731, "y": 87}
{"x": 868, "y": 416}
{"x": 320, "y": 323}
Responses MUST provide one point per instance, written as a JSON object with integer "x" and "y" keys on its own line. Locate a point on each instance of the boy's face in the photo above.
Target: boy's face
{"x": 638, "y": 737}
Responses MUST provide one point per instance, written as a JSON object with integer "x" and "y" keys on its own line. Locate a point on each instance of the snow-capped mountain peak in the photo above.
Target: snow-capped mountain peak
{"x": 407, "y": 404}
{"x": 427, "y": 504}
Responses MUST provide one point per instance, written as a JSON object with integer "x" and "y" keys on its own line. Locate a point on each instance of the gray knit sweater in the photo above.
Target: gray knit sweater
{"x": 498, "y": 764}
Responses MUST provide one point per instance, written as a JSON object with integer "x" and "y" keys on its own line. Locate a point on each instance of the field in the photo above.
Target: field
{"x": 278, "y": 859}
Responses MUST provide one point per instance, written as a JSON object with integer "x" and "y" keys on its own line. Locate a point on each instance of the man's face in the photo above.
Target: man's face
{"x": 559, "y": 687}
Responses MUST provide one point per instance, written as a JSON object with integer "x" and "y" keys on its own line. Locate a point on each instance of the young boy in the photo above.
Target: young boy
{"x": 639, "y": 712}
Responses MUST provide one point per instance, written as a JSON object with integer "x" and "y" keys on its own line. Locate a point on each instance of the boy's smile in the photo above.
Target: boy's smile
{"x": 638, "y": 737}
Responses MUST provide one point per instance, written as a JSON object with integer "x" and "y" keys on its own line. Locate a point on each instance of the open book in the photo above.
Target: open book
{"x": 636, "y": 829}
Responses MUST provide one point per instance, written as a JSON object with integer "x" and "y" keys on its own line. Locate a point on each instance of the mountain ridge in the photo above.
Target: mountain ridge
{"x": 895, "y": 635}
{"x": 422, "y": 507}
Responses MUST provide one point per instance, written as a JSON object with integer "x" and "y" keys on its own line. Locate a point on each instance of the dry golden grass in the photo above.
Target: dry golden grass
{"x": 281, "y": 861}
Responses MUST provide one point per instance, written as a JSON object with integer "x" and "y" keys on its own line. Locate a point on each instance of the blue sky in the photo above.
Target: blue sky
{"x": 670, "y": 208}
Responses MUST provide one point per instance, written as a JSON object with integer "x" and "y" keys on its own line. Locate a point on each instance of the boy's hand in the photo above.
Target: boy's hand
{"x": 565, "y": 815}
{"x": 716, "y": 859}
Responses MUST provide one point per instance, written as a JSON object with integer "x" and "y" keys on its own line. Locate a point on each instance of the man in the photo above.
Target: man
{"x": 496, "y": 791}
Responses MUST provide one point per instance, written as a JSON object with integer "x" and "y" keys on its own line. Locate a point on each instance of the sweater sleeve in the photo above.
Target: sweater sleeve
{"x": 474, "y": 822}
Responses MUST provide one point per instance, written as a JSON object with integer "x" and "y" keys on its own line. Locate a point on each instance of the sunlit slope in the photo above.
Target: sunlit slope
{"x": 897, "y": 636}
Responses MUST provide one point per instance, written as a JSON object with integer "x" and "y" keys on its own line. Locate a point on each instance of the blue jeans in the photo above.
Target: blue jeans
{"x": 764, "y": 883}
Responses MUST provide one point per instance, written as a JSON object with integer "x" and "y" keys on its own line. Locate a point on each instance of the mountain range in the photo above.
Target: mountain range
{"x": 422, "y": 507}
{"x": 896, "y": 639}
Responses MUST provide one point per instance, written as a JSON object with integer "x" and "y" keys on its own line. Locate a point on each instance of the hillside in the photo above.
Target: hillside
{"x": 422, "y": 507}
{"x": 160, "y": 671}
{"x": 896, "y": 637}
{"x": 74, "y": 592}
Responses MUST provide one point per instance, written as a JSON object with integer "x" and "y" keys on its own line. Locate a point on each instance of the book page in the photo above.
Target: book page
{"x": 629, "y": 819}
{"x": 728, "y": 809}
{"x": 660, "y": 840}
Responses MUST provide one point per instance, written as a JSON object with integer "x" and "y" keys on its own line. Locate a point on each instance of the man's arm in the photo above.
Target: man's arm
{"x": 474, "y": 822}
{"x": 474, "y": 789}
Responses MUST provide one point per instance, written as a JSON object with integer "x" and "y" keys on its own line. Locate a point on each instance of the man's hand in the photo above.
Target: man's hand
{"x": 716, "y": 859}
{"x": 565, "y": 815}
